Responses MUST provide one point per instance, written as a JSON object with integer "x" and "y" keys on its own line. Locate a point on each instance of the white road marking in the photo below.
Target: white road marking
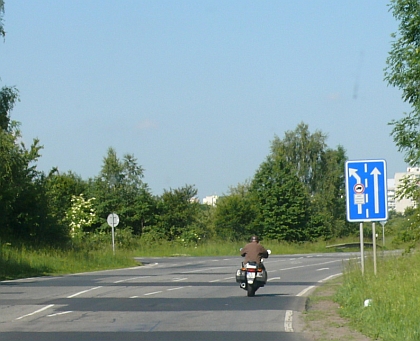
{"x": 322, "y": 269}
{"x": 179, "y": 279}
{"x": 294, "y": 267}
{"x": 330, "y": 277}
{"x": 57, "y": 314}
{"x": 36, "y": 312}
{"x": 130, "y": 279}
{"x": 272, "y": 279}
{"x": 82, "y": 292}
{"x": 152, "y": 293}
{"x": 206, "y": 269}
{"x": 221, "y": 279}
{"x": 171, "y": 289}
{"x": 288, "y": 321}
{"x": 304, "y": 291}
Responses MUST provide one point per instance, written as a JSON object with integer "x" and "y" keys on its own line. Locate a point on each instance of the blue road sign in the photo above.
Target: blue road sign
{"x": 366, "y": 190}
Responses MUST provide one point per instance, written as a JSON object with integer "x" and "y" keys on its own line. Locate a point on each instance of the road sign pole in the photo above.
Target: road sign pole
{"x": 113, "y": 221}
{"x": 113, "y": 239}
{"x": 374, "y": 247}
{"x": 362, "y": 254}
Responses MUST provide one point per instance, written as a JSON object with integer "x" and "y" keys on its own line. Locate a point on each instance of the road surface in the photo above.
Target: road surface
{"x": 184, "y": 298}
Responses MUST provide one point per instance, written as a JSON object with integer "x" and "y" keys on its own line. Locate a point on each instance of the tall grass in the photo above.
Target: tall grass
{"x": 25, "y": 262}
{"x": 28, "y": 262}
{"x": 394, "y": 312}
{"x": 221, "y": 248}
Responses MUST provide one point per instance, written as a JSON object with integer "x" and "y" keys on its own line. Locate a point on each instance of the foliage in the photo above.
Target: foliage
{"x": 2, "y": 32}
{"x": 281, "y": 201}
{"x": 81, "y": 215}
{"x": 119, "y": 188}
{"x": 394, "y": 292}
{"x": 403, "y": 72}
{"x": 320, "y": 170}
{"x": 235, "y": 214}
{"x": 177, "y": 211}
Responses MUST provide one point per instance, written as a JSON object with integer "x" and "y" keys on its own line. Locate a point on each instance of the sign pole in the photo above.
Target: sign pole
{"x": 366, "y": 196}
{"x": 374, "y": 247}
{"x": 362, "y": 255}
{"x": 113, "y": 221}
{"x": 113, "y": 239}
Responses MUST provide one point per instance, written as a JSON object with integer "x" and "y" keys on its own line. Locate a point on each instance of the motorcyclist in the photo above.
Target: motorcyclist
{"x": 254, "y": 251}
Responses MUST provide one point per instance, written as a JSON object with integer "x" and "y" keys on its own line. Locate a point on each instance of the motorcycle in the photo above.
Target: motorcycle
{"x": 252, "y": 276}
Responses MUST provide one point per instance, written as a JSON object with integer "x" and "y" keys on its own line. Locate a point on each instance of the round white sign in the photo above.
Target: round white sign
{"x": 113, "y": 220}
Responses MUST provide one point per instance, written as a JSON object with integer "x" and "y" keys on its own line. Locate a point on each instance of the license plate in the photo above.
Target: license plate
{"x": 250, "y": 275}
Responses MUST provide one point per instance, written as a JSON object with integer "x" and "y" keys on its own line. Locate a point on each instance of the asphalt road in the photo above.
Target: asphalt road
{"x": 173, "y": 299}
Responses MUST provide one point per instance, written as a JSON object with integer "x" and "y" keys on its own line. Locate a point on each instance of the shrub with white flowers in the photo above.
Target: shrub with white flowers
{"x": 80, "y": 215}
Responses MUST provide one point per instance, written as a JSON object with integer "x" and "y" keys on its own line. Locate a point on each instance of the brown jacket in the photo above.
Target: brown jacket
{"x": 253, "y": 252}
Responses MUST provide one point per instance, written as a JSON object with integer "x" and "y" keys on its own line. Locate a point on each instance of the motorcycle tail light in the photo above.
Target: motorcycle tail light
{"x": 251, "y": 270}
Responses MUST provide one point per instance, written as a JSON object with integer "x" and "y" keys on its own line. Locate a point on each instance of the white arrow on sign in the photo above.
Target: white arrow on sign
{"x": 376, "y": 174}
{"x": 353, "y": 173}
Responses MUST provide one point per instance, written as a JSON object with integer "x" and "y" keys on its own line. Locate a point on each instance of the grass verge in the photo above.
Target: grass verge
{"x": 395, "y": 298}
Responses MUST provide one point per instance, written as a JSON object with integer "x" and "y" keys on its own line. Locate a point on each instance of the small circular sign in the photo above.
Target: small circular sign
{"x": 113, "y": 220}
{"x": 359, "y": 188}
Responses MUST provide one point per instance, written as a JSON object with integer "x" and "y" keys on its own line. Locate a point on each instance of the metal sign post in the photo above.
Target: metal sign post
{"x": 383, "y": 222}
{"x": 366, "y": 196}
{"x": 113, "y": 221}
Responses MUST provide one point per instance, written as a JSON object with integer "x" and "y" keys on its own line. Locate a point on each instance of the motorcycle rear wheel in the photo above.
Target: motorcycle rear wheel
{"x": 250, "y": 290}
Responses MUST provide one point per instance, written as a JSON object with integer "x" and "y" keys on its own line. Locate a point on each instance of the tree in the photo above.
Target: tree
{"x": 403, "y": 72}
{"x": 177, "y": 213}
{"x": 119, "y": 188}
{"x": 321, "y": 171}
{"x": 235, "y": 213}
{"x": 281, "y": 200}
{"x": 21, "y": 196}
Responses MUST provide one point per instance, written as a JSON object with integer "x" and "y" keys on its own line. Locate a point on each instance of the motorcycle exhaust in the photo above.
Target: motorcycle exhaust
{"x": 243, "y": 285}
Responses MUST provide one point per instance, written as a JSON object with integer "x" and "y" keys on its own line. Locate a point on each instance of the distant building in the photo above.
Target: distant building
{"x": 391, "y": 194}
{"x": 401, "y": 204}
{"x": 210, "y": 200}
{"x": 194, "y": 199}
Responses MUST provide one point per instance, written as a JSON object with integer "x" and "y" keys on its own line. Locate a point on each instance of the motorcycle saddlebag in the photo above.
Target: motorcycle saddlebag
{"x": 261, "y": 276}
{"x": 240, "y": 276}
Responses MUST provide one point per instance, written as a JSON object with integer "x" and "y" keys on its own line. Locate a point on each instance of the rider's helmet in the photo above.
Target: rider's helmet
{"x": 254, "y": 239}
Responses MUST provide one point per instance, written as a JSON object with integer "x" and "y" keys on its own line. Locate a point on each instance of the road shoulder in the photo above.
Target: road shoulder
{"x": 321, "y": 320}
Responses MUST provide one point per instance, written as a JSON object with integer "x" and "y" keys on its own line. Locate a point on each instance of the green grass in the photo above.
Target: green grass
{"x": 394, "y": 314}
{"x": 28, "y": 262}
{"x": 24, "y": 262}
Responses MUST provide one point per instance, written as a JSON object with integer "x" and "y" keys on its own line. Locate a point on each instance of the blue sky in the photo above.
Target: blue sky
{"x": 197, "y": 90}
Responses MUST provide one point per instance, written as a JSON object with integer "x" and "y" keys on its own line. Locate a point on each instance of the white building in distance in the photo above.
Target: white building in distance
{"x": 210, "y": 200}
{"x": 399, "y": 205}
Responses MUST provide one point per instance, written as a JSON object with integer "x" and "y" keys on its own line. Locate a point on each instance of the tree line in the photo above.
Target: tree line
{"x": 297, "y": 194}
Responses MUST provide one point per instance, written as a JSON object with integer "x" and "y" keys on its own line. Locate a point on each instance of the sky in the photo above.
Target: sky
{"x": 198, "y": 90}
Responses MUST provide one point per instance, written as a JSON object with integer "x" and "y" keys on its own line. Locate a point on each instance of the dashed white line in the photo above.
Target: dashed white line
{"x": 179, "y": 279}
{"x": 58, "y": 314}
{"x": 272, "y": 279}
{"x": 130, "y": 279}
{"x": 153, "y": 293}
{"x": 83, "y": 292}
{"x": 172, "y": 289}
{"x": 36, "y": 312}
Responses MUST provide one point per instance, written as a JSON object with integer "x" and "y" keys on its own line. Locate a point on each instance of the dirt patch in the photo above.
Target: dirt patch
{"x": 322, "y": 321}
